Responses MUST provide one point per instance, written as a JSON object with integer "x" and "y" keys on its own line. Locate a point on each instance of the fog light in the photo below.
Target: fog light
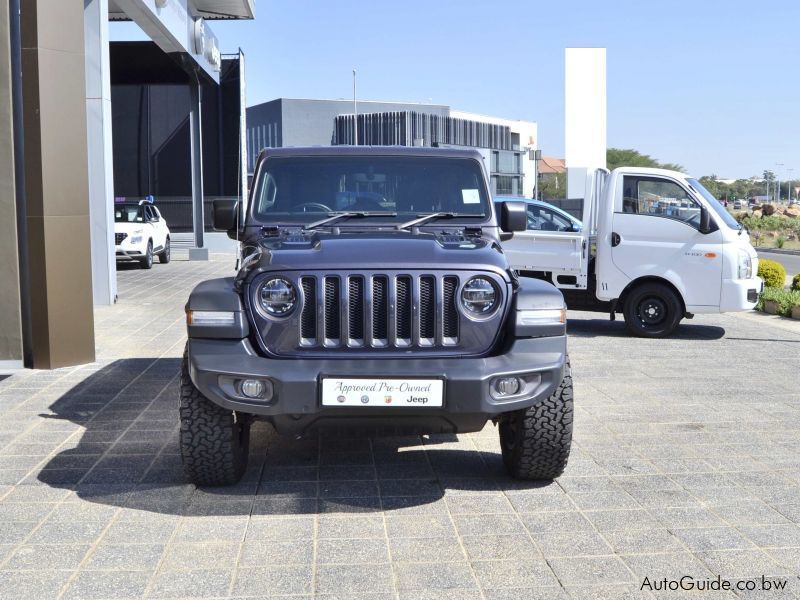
{"x": 252, "y": 388}
{"x": 507, "y": 386}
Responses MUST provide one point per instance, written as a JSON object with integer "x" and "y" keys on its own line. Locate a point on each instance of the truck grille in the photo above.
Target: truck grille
{"x": 118, "y": 237}
{"x": 379, "y": 311}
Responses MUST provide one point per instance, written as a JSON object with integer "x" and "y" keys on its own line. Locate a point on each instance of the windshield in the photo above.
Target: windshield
{"x": 128, "y": 213}
{"x": 714, "y": 203}
{"x": 391, "y": 189}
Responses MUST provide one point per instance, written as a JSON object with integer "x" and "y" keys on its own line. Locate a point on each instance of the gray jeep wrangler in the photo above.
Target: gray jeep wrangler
{"x": 373, "y": 295}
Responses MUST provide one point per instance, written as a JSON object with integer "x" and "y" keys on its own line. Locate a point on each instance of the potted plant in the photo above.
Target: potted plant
{"x": 771, "y": 307}
{"x": 794, "y": 310}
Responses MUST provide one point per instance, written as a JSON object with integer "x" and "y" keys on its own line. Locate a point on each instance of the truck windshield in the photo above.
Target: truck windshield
{"x": 715, "y": 204}
{"x": 389, "y": 189}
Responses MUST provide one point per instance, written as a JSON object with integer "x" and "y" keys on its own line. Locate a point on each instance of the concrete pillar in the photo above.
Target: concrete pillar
{"x": 198, "y": 252}
{"x": 56, "y": 183}
{"x": 11, "y": 313}
{"x": 101, "y": 160}
{"x": 585, "y": 115}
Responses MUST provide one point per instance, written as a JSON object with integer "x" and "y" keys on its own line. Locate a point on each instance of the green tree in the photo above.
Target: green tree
{"x": 553, "y": 186}
{"x": 627, "y": 157}
{"x": 712, "y": 185}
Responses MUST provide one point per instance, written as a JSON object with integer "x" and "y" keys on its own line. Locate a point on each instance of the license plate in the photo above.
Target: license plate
{"x": 387, "y": 393}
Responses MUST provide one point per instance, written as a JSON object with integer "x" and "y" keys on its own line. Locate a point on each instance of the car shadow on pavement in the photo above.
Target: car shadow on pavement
{"x": 128, "y": 456}
{"x": 590, "y": 328}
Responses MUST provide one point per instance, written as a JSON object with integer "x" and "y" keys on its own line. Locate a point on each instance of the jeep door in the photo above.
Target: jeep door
{"x": 656, "y": 232}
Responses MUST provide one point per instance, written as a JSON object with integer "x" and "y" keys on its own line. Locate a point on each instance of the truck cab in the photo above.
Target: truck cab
{"x": 656, "y": 246}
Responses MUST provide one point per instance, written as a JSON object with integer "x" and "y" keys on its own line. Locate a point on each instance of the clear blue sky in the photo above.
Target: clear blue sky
{"x": 709, "y": 84}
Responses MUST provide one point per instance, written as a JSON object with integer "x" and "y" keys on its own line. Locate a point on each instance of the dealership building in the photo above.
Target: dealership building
{"x": 508, "y": 146}
{"x": 84, "y": 121}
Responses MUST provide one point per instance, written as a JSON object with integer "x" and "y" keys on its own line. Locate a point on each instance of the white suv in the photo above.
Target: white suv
{"x": 140, "y": 232}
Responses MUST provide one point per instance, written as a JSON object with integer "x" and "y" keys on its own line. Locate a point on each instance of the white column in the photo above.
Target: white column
{"x": 101, "y": 161}
{"x": 585, "y": 115}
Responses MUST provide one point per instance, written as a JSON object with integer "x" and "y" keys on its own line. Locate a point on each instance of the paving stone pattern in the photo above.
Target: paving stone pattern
{"x": 686, "y": 461}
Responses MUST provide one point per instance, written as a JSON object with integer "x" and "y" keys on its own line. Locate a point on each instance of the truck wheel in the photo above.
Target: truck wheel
{"x": 214, "y": 441}
{"x": 536, "y": 441}
{"x": 652, "y": 310}
{"x": 164, "y": 256}
{"x": 147, "y": 261}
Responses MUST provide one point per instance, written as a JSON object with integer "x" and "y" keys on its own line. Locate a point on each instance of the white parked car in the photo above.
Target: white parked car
{"x": 140, "y": 232}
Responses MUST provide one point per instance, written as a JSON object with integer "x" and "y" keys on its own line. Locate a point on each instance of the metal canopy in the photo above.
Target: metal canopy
{"x": 208, "y": 9}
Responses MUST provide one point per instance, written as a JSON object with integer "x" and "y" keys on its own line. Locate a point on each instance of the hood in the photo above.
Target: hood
{"x": 376, "y": 250}
{"x": 127, "y": 227}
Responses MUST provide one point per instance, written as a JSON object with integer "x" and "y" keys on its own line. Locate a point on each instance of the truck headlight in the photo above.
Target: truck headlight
{"x": 479, "y": 296}
{"x": 745, "y": 265}
{"x": 276, "y": 297}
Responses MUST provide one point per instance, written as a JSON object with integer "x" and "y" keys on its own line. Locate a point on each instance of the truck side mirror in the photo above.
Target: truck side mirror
{"x": 705, "y": 221}
{"x": 513, "y": 216}
{"x": 225, "y": 215}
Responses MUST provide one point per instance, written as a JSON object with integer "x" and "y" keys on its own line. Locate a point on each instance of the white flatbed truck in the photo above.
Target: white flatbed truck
{"x": 656, "y": 246}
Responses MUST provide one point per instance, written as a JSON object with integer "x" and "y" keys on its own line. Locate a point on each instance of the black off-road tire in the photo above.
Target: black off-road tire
{"x": 214, "y": 441}
{"x": 166, "y": 254}
{"x": 536, "y": 441}
{"x": 652, "y": 310}
{"x": 147, "y": 261}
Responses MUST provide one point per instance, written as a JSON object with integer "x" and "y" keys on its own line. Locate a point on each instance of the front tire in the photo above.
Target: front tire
{"x": 147, "y": 261}
{"x": 652, "y": 310}
{"x": 214, "y": 441}
{"x": 166, "y": 254}
{"x": 536, "y": 441}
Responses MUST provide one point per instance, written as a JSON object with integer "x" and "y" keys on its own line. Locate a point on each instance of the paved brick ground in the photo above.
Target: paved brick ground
{"x": 686, "y": 461}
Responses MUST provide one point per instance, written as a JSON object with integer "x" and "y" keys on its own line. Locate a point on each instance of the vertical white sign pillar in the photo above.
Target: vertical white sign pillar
{"x": 584, "y": 115}
{"x": 101, "y": 160}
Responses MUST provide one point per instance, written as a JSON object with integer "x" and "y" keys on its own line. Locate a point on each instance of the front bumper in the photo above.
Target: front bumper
{"x": 127, "y": 251}
{"x": 295, "y": 405}
{"x": 128, "y": 255}
{"x": 740, "y": 294}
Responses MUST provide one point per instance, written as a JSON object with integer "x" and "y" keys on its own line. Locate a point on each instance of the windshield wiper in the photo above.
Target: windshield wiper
{"x": 346, "y": 215}
{"x": 437, "y": 215}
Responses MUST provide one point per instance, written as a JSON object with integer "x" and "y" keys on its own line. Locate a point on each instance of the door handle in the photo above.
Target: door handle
{"x": 615, "y": 239}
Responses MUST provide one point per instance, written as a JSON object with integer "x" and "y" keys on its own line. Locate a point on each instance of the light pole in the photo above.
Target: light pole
{"x": 778, "y": 184}
{"x": 789, "y": 183}
{"x": 355, "y": 110}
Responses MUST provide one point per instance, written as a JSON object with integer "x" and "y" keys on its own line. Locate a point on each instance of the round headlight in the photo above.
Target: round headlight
{"x": 479, "y": 296}
{"x": 276, "y": 296}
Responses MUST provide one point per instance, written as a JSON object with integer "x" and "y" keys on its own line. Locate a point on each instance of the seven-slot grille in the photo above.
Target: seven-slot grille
{"x": 379, "y": 311}
{"x": 118, "y": 237}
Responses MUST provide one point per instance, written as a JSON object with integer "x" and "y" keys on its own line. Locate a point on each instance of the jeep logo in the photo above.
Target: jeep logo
{"x": 417, "y": 399}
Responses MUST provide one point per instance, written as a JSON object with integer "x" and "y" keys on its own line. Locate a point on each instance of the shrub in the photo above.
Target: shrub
{"x": 796, "y": 283}
{"x": 780, "y": 241}
{"x": 768, "y": 209}
{"x": 773, "y": 273}
{"x": 770, "y": 223}
{"x": 786, "y": 300}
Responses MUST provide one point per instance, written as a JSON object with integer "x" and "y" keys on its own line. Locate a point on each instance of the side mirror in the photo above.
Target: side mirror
{"x": 225, "y": 215}
{"x": 513, "y": 216}
{"x": 705, "y": 220}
